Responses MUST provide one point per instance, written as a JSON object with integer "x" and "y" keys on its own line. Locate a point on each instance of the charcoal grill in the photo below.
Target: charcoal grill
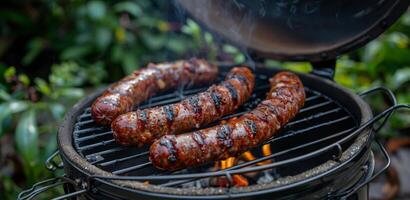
{"x": 324, "y": 152}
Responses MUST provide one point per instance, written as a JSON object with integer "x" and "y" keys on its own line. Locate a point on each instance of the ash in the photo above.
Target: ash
{"x": 265, "y": 178}
{"x": 202, "y": 183}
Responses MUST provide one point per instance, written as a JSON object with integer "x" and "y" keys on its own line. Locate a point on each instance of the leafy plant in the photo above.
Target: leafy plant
{"x": 116, "y": 36}
{"x": 33, "y": 112}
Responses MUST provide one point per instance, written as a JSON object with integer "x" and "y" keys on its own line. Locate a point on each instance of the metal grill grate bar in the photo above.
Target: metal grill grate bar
{"x": 83, "y": 116}
{"x": 108, "y": 151}
{"x": 311, "y": 98}
{"x": 315, "y": 106}
{"x": 86, "y": 122}
{"x": 87, "y": 130}
{"x": 112, "y": 162}
{"x": 132, "y": 168}
{"x": 93, "y": 136}
{"x": 102, "y": 143}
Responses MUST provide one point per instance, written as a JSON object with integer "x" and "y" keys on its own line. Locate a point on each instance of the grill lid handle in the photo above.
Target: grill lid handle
{"x": 310, "y": 30}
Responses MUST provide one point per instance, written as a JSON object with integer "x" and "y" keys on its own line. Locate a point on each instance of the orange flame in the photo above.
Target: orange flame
{"x": 266, "y": 151}
{"x": 238, "y": 180}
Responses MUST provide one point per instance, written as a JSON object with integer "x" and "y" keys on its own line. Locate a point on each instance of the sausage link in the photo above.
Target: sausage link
{"x": 238, "y": 135}
{"x": 144, "y": 126}
{"x": 132, "y": 90}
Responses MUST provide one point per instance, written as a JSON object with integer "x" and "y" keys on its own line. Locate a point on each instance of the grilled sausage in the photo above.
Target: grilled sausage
{"x": 132, "y": 90}
{"x": 238, "y": 135}
{"x": 144, "y": 126}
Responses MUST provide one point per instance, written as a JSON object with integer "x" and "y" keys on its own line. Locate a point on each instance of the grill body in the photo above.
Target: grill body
{"x": 330, "y": 112}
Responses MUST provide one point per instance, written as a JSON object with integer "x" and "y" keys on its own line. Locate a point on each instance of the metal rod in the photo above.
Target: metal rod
{"x": 82, "y": 123}
{"x": 73, "y": 194}
{"x": 315, "y": 116}
{"x": 87, "y": 130}
{"x": 104, "y": 164}
{"x": 93, "y": 136}
{"x": 128, "y": 169}
{"x": 112, "y": 150}
{"x": 85, "y": 115}
{"x": 313, "y": 97}
{"x": 315, "y": 106}
{"x": 102, "y": 143}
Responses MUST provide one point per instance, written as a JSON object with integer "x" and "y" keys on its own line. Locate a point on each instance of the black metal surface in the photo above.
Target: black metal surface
{"x": 311, "y": 30}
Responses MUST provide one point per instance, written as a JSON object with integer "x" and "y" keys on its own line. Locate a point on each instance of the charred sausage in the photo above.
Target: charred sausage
{"x": 132, "y": 90}
{"x": 238, "y": 135}
{"x": 144, "y": 126}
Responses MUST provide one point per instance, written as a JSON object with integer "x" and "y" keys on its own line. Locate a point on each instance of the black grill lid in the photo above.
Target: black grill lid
{"x": 310, "y": 30}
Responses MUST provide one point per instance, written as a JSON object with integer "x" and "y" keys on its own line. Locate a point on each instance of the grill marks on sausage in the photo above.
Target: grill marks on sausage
{"x": 251, "y": 126}
{"x": 193, "y": 112}
{"x": 143, "y": 116}
{"x": 168, "y": 110}
{"x": 238, "y": 134}
{"x": 216, "y": 98}
{"x": 274, "y": 109}
{"x": 242, "y": 79}
{"x": 224, "y": 135}
{"x": 194, "y": 103}
{"x": 232, "y": 91}
{"x": 168, "y": 144}
{"x": 199, "y": 140}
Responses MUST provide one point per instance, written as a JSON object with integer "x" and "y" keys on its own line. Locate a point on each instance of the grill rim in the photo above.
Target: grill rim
{"x": 74, "y": 159}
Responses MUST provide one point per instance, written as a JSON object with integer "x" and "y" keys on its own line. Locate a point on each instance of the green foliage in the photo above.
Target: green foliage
{"x": 115, "y": 36}
{"x": 31, "y": 113}
{"x": 26, "y": 139}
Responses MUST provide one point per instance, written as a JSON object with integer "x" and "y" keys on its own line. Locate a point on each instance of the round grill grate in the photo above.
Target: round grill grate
{"x": 319, "y": 116}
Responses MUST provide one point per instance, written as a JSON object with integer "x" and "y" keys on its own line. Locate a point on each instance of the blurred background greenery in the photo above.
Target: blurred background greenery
{"x": 53, "y": 52}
